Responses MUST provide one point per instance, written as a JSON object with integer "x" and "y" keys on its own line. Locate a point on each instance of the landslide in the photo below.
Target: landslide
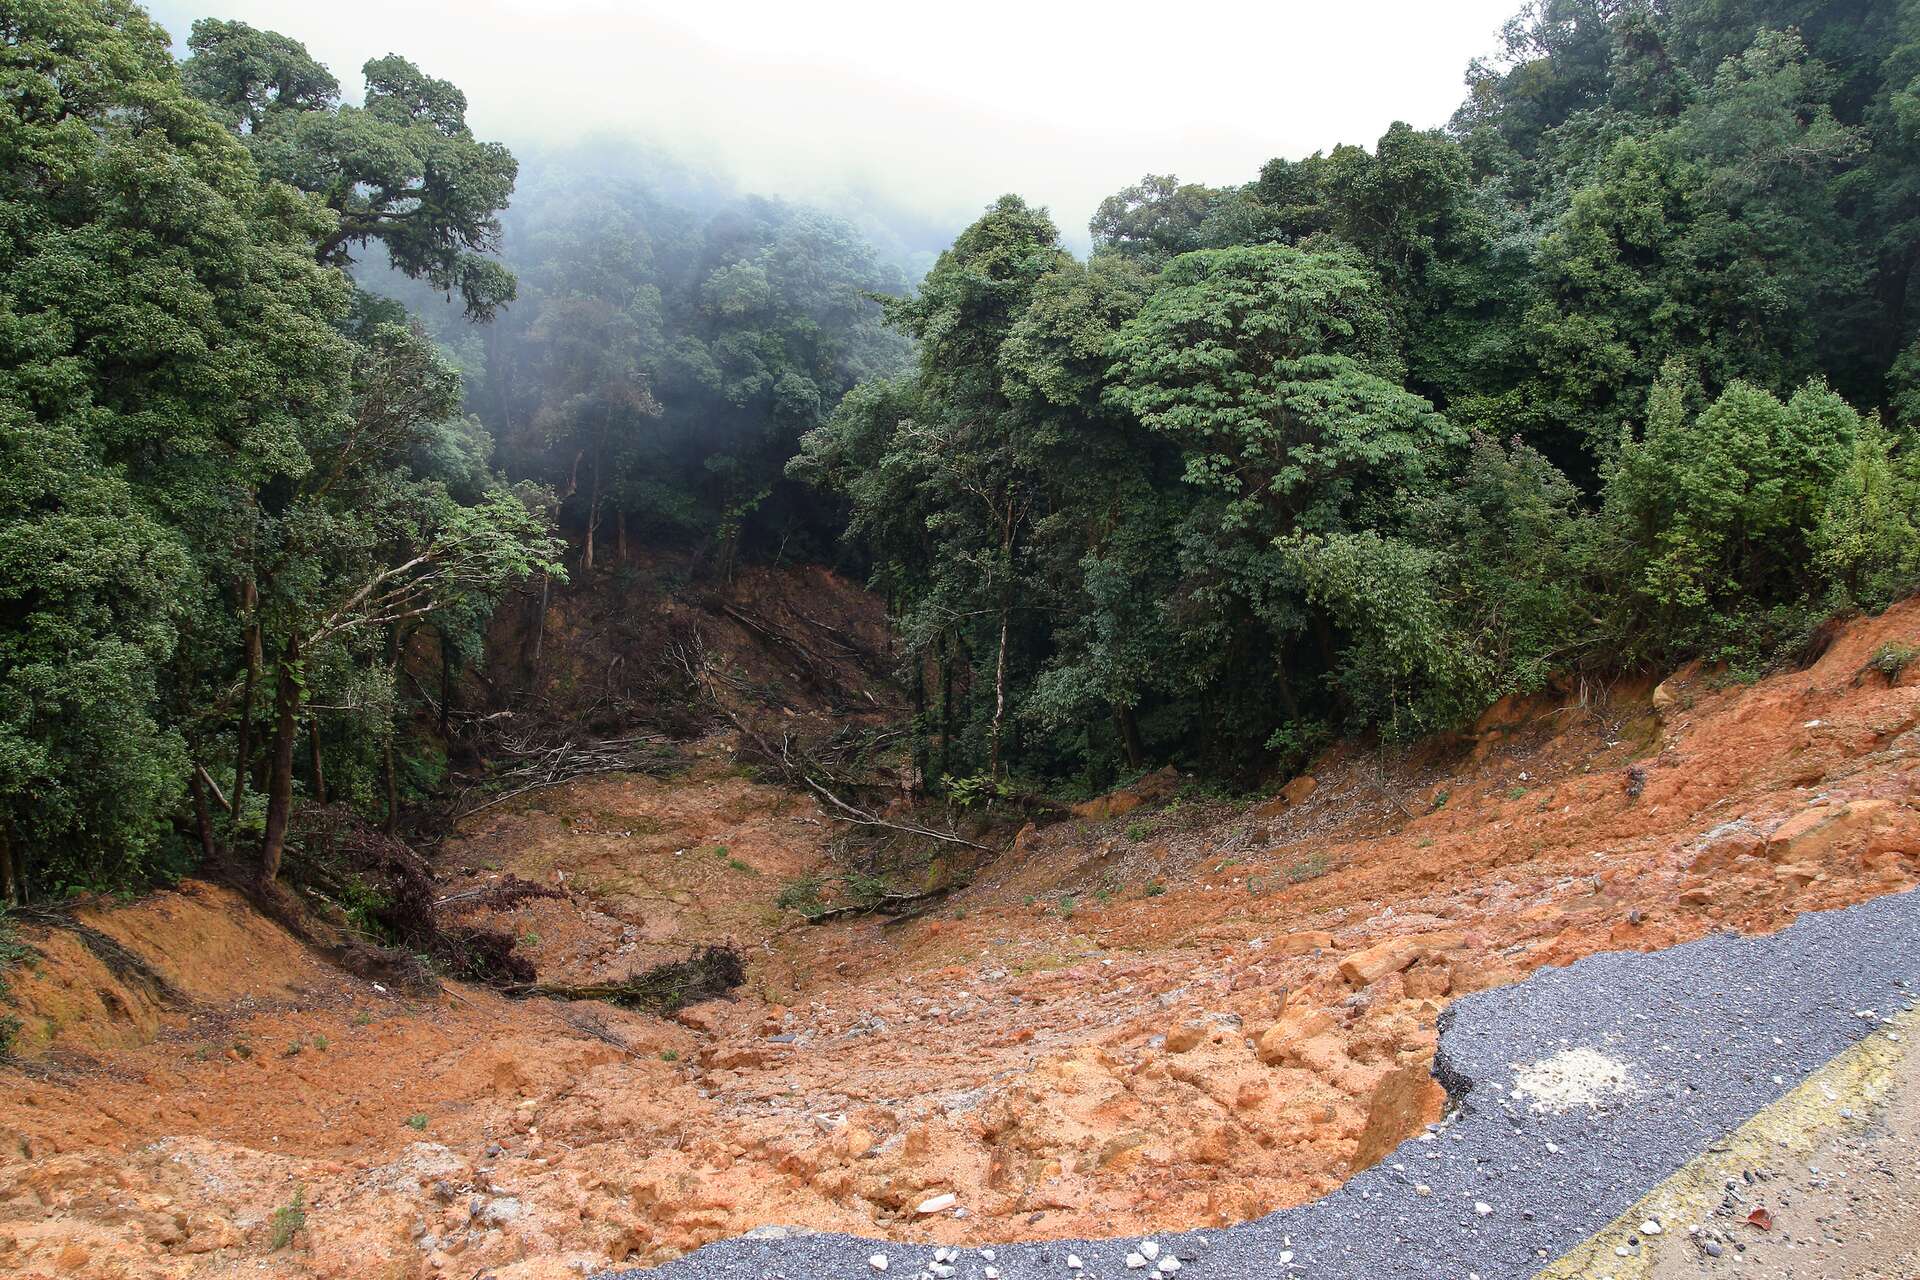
{"x": 1167, "y": 1008}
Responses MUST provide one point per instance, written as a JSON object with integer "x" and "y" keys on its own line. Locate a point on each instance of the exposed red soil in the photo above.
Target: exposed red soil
{"x": 1189, "y": 1011}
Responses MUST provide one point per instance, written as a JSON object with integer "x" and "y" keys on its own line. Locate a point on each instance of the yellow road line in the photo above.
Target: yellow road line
{"x": 1841, "y": 1097}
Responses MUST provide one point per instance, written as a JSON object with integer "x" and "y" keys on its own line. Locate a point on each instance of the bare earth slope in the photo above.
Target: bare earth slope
{"x": 1185, "y": 1013}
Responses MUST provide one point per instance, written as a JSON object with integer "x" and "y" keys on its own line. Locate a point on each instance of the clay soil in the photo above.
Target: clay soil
{"x": 1170, "y": 1009}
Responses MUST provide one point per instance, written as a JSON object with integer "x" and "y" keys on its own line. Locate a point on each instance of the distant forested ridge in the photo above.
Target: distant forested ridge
{"x": 1618, "y": 367}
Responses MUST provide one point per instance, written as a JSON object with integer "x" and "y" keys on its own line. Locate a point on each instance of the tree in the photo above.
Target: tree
{"x": 402, "y": 169}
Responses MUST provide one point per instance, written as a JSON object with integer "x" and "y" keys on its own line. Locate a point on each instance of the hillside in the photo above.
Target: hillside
{"x": 1168, "y": 1009}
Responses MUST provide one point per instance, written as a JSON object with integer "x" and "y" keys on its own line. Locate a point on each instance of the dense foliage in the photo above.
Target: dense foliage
{"x": 219, "y": 517}
{"x": 1619, "y": 367}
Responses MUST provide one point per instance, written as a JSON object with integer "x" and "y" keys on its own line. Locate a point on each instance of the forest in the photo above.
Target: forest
{"x": 1616, "y": 368}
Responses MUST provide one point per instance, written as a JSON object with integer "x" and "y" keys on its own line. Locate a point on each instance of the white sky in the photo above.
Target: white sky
{"x": 941, "y": 107}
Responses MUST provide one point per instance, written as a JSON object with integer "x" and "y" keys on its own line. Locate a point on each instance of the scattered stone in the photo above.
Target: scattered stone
{"x": 1169, "y": 1265}
{"x": 1073, "y": 1262}
{"x": 936, "y": 1204}
{"x": 1482, "y": 1208}
{"x": 878, "y": 1262}
{"x": 1150, "y": 1249}
{"x": 1135, "y": 1262}
{"x": 1651, "y": 1227}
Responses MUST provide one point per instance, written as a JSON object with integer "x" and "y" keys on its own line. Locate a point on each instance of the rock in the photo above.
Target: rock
{"x": 1363, "y": 968}
{"x": 1155, "y": 786}
{"x": 1698, "y": 896}
{"x": 1818, "y": 833}
{"x": 1135, "y": 1262}
{"x": 1073, "y": 1262}
{"x": 1299, "y": 789}
{"x": 1428, "y": 982}
{"x": 1149, "y": 1249}
{"x": 1300, "y": 944}
{"x": 1406, "y": 1100}
{"x": 1651, "y": 1227}
{"x": 1797, "y": 874}
{"x": 1482, "y": 1208}
{"x": 1169, "y": 1265}
{"x": 936, "y": 1204}
{"x": 1186, "y": 1036}
{"x": 878, "y": 1262}
{"x": 1280, "y": 1043}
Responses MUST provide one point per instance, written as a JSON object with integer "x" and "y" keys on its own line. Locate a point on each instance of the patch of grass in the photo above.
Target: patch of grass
{"x": 1155, "y": 889}
{"x": 288, "y": 1220}
{"x": 1516, "y": 792}
{"x": 293, "y": 1049}
{"x": 1028, "y": 900}
{"x": 669, "y": 1055}
{"x": 1066, "y": 906}
{"x": 1441, "y": 797}
{"x": 1137, "y": 831}
{"x": 361, "y": 1018}
{"x": 321, "y": 1043}
{"x": 734, "y": 864}
{"x": 242, "y": 1048}
{"x": 802, "y": 895}
{"x": 1309, "y": 868}
{"x": 530, "y": 939}
{"x": 417, "y": 1121}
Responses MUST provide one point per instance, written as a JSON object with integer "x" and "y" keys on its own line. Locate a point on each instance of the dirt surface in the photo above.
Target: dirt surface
{"x": 1846, "y": 1209}
{"x": 1171, "y": 1010}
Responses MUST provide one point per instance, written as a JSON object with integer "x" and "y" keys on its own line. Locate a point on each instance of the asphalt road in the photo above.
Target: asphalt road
{"x": 1702, "y": 1036}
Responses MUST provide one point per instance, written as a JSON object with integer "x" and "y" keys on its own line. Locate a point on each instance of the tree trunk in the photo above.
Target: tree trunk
{"x": 593, "y": 514}
{"x": 946, "y": 708}
{"x": 286, "y": 722}
{"x": 12, "y": 890}
{"x": 243, "y": 745}
{"x": 386, "y": 754}
{"x": 1129, "y": 734}
{"x": 539, "y": 630}
{"x": 315, "y": 765}
{"x": 999, "y": 694}
{"x": 446, "y": 687}
{"x": 202, "y": 813}
{"x": 620, "y": 535}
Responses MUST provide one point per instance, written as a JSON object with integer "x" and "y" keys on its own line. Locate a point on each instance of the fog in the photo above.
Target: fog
{"x": 930, "y": 110}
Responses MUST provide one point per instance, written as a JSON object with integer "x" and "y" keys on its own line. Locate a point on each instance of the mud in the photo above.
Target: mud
{"x": 1180, "y": 1012}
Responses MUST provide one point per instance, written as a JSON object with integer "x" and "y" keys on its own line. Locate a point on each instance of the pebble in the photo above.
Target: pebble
{"x": 940, "y": 1270}
{"x": 1651, "y": 1227}
{"x": 1169, "y": 1265}
{"x": 1073, "y": 1262}
{"x": 1149, "y": 1249}
{"x": 1482, "y": 1208}
{"x": 1135, "y": 1262}
{"x": 991, "y": 1273}
{"x": 878, "y": 1262}
{"x": 1422, "y": 1189}
{"x": 934, "y": 1204}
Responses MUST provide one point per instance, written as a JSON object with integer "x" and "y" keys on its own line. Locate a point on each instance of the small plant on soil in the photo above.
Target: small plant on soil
{"x": 669, "y": 1055}
{"x": 417, "y": 1121}
{"x": 1137, "y": 831}
{"x": 293, "y": 1049}
{"x": 1155, "y": 889}
{"x": 1891, "y": 658}
{"x": 1307, "y": 869}
{"x": 1066, "y": 907}
{"x": 734, "y": 864}
{"x": 361, "y": 1018}
{"x": 802, "y": 895}
{"x": 288, "y": 1220}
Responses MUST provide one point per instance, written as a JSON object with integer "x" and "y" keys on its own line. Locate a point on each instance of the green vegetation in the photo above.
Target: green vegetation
{"x": 223, "y": 500}
{"x": 288, "y": 1221}
{"x": 1619, "y": 367}
{"x": 417, "y": 1121}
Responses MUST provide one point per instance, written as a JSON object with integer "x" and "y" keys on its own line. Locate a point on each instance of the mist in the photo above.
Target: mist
{"x": 944, "y": 108}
